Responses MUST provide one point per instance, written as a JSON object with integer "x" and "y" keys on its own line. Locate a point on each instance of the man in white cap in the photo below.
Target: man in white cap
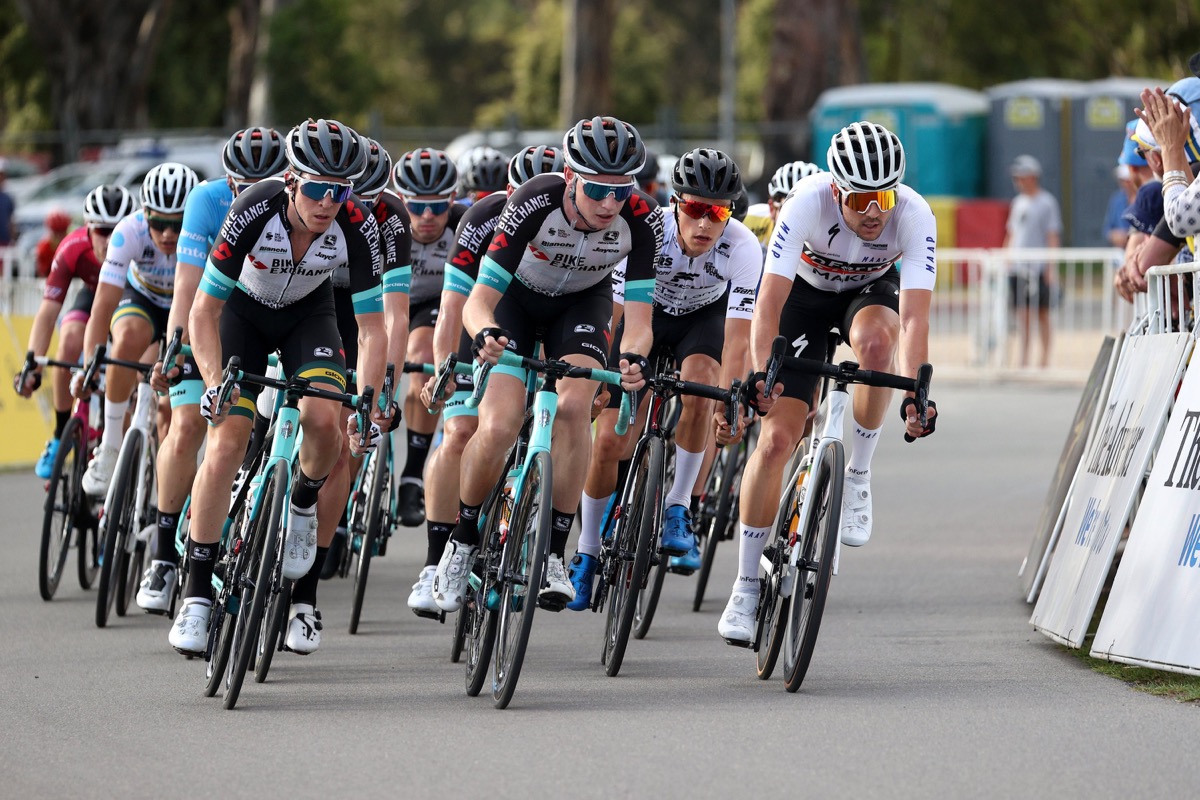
{"x": 1034, "y": 221}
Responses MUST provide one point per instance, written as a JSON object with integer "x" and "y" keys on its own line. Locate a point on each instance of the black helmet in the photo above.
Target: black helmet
{"x": 378, "y": 172}
{"x": 107, "y": 204}
{"x": 706, "y": 173}
{"x": 649, "y": 170}
{"x": 254, "y": 154}
{"x": 533, "y": 160}
{"x": 425, "y": 172}
{"x": 483, "y": 170}
{"x": 741, "y": 205}
{"x": 327, "y": 148}
{"x": 604, "y": 146}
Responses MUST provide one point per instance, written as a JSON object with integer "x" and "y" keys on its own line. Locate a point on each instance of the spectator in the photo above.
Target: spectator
{"x": 7, "y": 228}
{"x": 1034, "y": 221}
{"x": 1174, "y": 125}
{"x": 57, "y": 224}
{"x": 1116, "y": 227}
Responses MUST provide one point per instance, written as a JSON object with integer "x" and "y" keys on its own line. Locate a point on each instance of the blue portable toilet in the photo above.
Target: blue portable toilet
{"x": 941, "y": 126}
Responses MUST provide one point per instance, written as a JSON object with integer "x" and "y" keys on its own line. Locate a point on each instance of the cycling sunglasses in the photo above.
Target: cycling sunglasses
{"x": 102, "y": 230}
{"x": 436, "y": 207}
{"x": 319, "y": 190}
{"x": 158, "y": 224}
{"x": 696, "y": 209}
{"x": 861, "y": 201}
{"x": 599, "y": 191}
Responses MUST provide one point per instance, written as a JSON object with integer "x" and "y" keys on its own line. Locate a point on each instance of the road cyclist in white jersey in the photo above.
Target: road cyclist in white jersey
{"x": 832, "y": 264}
{"x": 760, "y": 217}
{"x": 267, "y": 286}
{"x": 248, "y": 156}
{"x": 547, "y": 278}
{"x": 427, "y": 180}
{"x": 707, "y": 277}
{"x": 133, "y": 298}
{"x": 459, "y": 421}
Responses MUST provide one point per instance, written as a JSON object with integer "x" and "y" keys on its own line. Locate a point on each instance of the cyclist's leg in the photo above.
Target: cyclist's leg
{"x": 420, "y": 425}
{"x": 70, "y": 347}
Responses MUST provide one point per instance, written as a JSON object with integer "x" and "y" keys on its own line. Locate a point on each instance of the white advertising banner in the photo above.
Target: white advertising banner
{"x": 1108, "y": 481}
{"x": 1150, "y": 617}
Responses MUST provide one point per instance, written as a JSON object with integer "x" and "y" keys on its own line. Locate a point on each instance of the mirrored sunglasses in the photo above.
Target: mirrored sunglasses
{"x": 159, "y": 224}
{"x": 419, "y": 207}
{"x": 696, "y": 209}
{"x": 599, "y": 191}
{"x": 319, "y": 190}
{"x": 861, "y": 201}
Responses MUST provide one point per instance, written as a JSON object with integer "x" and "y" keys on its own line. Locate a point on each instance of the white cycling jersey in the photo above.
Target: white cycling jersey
{"x": 133, "y": 258}
{"x": 683, "y": 284}
{"x": 811, "y": 240}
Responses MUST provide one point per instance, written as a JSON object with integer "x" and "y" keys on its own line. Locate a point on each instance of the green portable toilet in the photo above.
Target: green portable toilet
{"x": 942, "y": 128}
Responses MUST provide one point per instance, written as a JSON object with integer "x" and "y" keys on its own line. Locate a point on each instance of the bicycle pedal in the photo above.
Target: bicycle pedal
{"x": 426, "y": 614}
{"x": 297, "y": 652}
{"x": 739, "y": 643}
{"x": 158, "y": 612}
{"x": 681, "y": 570}
{"x": 556, "y": 603}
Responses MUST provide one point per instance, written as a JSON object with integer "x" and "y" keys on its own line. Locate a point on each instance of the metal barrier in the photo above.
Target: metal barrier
{"x": 982, "y": 295}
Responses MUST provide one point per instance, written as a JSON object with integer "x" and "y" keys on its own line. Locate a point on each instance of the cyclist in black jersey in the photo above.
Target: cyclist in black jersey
{"x": 267, "y": 286}
{"x": 559, "y": 237}
{"x": 428, "y": 181}
{"x": 473, "y": 237}
{"x": 483, "y": 170}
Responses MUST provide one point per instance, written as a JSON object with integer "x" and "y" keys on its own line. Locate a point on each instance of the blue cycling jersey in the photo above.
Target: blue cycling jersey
{"x": 203, "y": 214}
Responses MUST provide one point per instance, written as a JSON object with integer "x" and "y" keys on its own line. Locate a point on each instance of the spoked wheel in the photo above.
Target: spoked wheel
{"x": 64, "y": 499}
{"x": 253, "y": 583}
{"x": 220, "y": 641}
{"x": 647, "y": 599}
{"x": 522, "y": 571}
{"x": 274, "y": 630}
{"x": 375, "y": 483}
{"x": 772, "y": 608}
{"x": 634, "y": 548}
{"x": 814, "y": 568}
{"x": 130, "y": 577}
{"x": 88, "y": 561}
{"x": 117, "y": 524}
{"x": 724, "y": 519}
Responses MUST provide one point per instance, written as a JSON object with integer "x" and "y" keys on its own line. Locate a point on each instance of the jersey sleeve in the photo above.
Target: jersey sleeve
{"x": 242, "y": 226}
{"x": 618, "y": 281}
{"x": 123, "y": 247}
{"x": 364, "y": 257}
{"x": 202, "y": 218}
{"x": 471, "y": 241}
{"x": 646, "y": 234}
{"x": 396, "y": 242}
{"x": 519, "y": 222}
{"x": 791, "y": 231}
{"x": 918, "y": 243}
{"x": 62, "y": 270}
{"x": 745, "y": 271}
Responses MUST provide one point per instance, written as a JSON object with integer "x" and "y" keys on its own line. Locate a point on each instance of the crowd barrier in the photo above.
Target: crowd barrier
{"x": 1132, "y": 492}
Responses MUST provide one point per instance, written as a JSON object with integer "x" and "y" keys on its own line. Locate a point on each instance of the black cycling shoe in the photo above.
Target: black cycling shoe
{"x": 333, "y": 556}
{"x": 412, "y": 504}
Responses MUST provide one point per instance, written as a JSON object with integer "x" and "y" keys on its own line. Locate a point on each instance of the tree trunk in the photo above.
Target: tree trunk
{"x": 585, "y": 90}
{"x": 244, "y": 19}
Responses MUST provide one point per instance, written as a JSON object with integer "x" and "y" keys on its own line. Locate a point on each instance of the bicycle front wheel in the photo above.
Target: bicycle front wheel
{"x": 376, "y": 482}
{"x": 724, "y": 519}
{"x": 270, "y": 641}
{"x": 61, "y": 511}
{"x": 118, "y": 520}
{"x": 814, "y": 565}
{"x": 522, "y": 571}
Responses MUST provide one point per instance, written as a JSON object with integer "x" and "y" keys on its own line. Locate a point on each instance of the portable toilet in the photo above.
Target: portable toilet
{"x": 941, "y": 126}
{"x": 1097, "y": 134}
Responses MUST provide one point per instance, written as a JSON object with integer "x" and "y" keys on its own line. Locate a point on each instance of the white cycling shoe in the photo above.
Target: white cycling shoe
{"x": 189, "y": 633}
{"x": 100, "y": 471}
{"x": 300, "y": 551}
{"x": 450, "y": 580}
{"x": 558, "y": 590}
{"x": 154, "y": 592}
{"x": 304, "y": 629}
{"x": 856, "y": 510}
{"x": 420, "y": 599}
{"x": 736, "y": 625}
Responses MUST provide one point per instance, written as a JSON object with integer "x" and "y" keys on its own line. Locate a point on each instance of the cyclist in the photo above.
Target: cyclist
{"x": 473, "y": 238}
{"x": 841, "y": 234}
{"x": 708, "y": 273}
{"x": 254, "y": 299}
{"x": 760, "y": 217}
{"x": 249, "y": 156}
{"x": 78, "y": 256}
{"x": 427, "y": 180}
{"x": 560, "y": 236}
{"x": 484, "y": 170}
{"x": 134, "y": 298}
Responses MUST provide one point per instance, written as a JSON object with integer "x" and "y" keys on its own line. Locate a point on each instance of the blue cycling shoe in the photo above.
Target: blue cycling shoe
{"x": 582, "y": 574}
{"x": 45, "y": 463}
{"x": 677, "y": 538}
{"x": 685, "y": 565}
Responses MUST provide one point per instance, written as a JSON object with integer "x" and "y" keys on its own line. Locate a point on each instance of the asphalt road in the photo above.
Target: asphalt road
{"x": 927, "y": 680}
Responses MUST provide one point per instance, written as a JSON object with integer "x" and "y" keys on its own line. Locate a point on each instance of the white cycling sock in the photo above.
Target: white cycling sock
{"x": 750, "y": 547}
{"x": 591, "y": 515}
{"x": 864, "y": 449}
{"x": 114, "y": 423}
{"x": 687, "y": 468}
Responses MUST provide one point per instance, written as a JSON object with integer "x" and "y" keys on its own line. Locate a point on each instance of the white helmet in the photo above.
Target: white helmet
{"x": 107, "y": 204}
{"x": 789, "y": 175}
{"x": 166, "y": 187}
{"x": 866, "y": 157}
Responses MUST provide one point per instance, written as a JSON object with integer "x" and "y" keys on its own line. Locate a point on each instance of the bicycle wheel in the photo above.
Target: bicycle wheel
{"x": 375, "y": 481}
{"x": 814, "y": 567}
{"x": 61, "y": 510}
{"x": 183, "y": 532}
{"x": 772, "y": 609}
{"x": 522, "y": 571}
{"x": 647, "y": 599}
{"x": 635, "y": 546}
{"x": 131, "y": 575}
{"x": 724, "y": 520}
{"x": 116, "y": 522}
{"x": 253, "y": 584}
{"x": 88, "y": 561}
{"x": 220, "y": 642}
{"x": 270, "y": 641}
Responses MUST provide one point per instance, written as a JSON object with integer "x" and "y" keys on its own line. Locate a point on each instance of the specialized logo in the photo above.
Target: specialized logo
{"x": 833, "y": 232}
{"x": 799, "y": 343}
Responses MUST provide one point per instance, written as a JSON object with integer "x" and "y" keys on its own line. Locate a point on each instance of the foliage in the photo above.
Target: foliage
{"x": 24, "y": 90}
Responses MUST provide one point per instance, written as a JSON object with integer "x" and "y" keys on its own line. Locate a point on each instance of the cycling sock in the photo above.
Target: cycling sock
{"x": 304, "y": 492}
{"x": 304, "y": 590}
{"x": 439, "y": 534}
{"x": 60, "y": 422}
{"x": 114, "y": 423}
{"x": 750, "y": 548}
{"x": 560, "y": 531}
{"x": 687, "y": 468}
{"x": 200, "y": 570}
{"x": 591, "y": 516}
{"x": 864, "y": 448}
{"x": 418, "y": 451}
{"x": 466, "y": 530}
{"x": 164, "y": 539}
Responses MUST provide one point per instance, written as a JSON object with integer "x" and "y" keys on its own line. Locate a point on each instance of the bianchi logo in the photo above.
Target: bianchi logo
{"x": 322, "y": 352}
